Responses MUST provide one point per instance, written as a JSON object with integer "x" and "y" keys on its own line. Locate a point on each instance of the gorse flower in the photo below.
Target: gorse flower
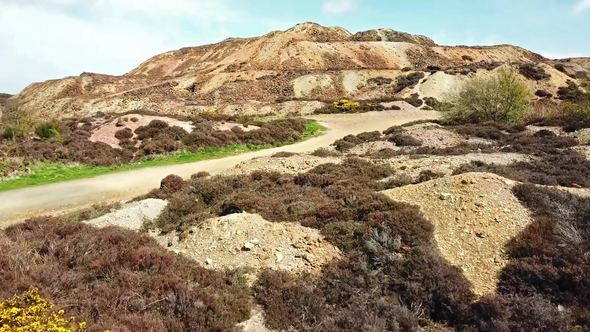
{"x": 29, "y": 312}
{"x": 346, "y": 104}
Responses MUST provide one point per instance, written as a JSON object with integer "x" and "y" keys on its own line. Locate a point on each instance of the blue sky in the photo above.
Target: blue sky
{"x": 47, "y": 39}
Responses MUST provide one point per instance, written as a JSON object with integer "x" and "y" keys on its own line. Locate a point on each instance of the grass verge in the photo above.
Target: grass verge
{"x": 46, "y": 173}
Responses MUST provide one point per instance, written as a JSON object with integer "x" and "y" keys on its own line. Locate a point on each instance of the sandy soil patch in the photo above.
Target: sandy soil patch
{"x": 132, "y": 215}
{"x": 434, "y": 135}
{"x": 404, "y": 107}
{"x": 447, "y": 164}
{"x": 248, "y": 240}
{"x": 583, "y": 150}
{"x": 288, "y": 165}
{"x": 106, "y": 132}
{"x": 404, "y": 164}
{"x": 370, "y": 147}
{"x": 438, "y": 84}
{"x": 230, "y": 125}
{"x": 474, "y": 216}
{"x": 582, "y": 135}
{"x": 305, "y": 85}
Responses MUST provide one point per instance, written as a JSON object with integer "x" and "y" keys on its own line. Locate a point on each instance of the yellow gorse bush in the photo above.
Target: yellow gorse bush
{"x": 30, "y": 312}
{"x": 346, "y": 104}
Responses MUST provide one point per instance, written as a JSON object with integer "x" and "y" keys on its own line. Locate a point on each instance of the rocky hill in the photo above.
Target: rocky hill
{"x": 294, "y": 71}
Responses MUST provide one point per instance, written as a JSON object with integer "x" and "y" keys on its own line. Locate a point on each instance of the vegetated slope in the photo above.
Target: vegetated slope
{"x": 393, "y": 272}
{"x": 396, "y": 273}
{"x": 289, "y": 71}
{"x": 3, "y": 97}
{"x": 583, "y": 62}
{"x": 108, "y": 140}
{"x": 116, "y": 279}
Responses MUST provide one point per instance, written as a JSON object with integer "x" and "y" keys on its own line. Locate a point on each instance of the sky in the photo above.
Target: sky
{"x": 50, "y": 39}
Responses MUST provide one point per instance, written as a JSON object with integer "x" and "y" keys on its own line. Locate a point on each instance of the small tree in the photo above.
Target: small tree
{"x": 16, "y": 121}
{"x": 501, "y": 97}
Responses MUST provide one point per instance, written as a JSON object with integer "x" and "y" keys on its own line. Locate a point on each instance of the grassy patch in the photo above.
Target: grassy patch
{"x": 49, "y": 172}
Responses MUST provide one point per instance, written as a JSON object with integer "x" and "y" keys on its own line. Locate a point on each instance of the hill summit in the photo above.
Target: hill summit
{"x": 294, "y": 71}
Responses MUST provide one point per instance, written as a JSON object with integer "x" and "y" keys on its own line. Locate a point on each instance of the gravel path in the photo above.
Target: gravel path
{"x": 19, "y": 204}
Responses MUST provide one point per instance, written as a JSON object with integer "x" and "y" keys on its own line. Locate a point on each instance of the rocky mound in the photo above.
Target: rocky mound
{"x": 388, "y": 35}
{"x": 292, "y": 71}
{"x": 474, "y": 217}
{"x": 131, "y": 215}
{"x": 248, "y": 241}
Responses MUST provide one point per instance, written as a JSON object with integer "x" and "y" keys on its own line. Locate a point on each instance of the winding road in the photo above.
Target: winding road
{"x": 17, "y": 205}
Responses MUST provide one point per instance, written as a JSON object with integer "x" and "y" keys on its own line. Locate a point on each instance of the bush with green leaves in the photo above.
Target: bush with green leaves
{"x": 15, "y": 131}
{"x": 500, "y": 97}
{"x": 48, "y": 130}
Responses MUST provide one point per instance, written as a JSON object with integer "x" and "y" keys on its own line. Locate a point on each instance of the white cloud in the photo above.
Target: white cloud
{"x": 338, "y": 7}
{"x": 581, "y": 7}
{"x": 45, "y": 39}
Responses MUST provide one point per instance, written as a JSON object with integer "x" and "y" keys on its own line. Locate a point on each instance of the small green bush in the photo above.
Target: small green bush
{"x": 14, "y": 132}
{"x": 500, "y": 97}
{"x": 48, "y": 130}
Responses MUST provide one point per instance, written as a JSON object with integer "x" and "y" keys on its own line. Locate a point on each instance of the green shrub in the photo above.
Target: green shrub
{"x": 579, "y": 112}
{"x": 14, "y": 132}
{"x": 48, "y": 130}
{"x": 500, "y": 97}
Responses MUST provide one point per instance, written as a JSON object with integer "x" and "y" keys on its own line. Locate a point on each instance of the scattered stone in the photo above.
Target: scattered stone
{"x": 209, "y": 261}
{"x": 445, "y": 196}
{"x": 279, "y": 256}
{"x": 248, "y": 246}
{"x": 255, "y": 241}
{"x": 132, "y": 215}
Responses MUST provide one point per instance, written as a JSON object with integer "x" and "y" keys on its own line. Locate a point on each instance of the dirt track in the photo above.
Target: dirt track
{"x": 52, "y": 198}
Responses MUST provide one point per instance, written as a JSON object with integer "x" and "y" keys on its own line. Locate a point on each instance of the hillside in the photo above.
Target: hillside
{"x": 293, "y": 71}
{"x": 473, "y": 227}
{"x": 3, "y": 98}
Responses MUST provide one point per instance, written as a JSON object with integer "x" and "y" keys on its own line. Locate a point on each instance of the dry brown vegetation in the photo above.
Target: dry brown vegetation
{"x": 391, "y": 276}
{"x": 68, "y": 141}
{"x": 388, "y": 245}
{"x": 117, "y": 279}
{"x": 549, "y": 262}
